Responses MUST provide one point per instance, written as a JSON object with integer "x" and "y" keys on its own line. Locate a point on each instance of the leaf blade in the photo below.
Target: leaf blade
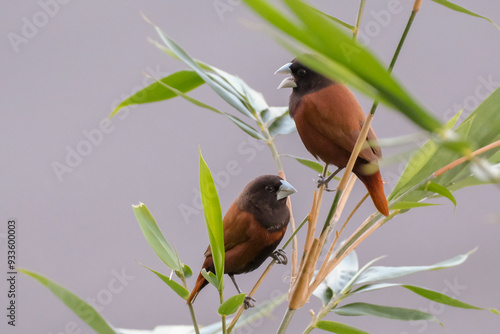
{"x": 231, "y": 305}
{"x": 83, "y": 310}
{"x": 176, "y": 287}
{"x": 338, "y": 327}
{"x": 155, "y": 237}
{"x": 213, "y": 217}
{"x": 183, "y": 81}
{"x": 388, "y": 312}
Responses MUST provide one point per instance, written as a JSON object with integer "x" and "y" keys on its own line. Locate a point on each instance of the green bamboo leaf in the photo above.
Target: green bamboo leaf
{"x": 186, "y": 270}
{"x": 342, "y": 57}
{"x": 183, "y": 81}
{"x": 282, "y": 125}
{"x": 461, "y": 9}
{"x": 213, "y": 218}
{"x": 443, "y": 299}
{"x": 314, "y": 165}
{"x": 210, "y": 277}
{"x": 382, "y": 273}
{"x": 178, "y": 289}
{"x": 83, "y": 310}
{"x": 339, "y": 328}
{"x": 439, "y": 189}
{"x": 231, "y": 305}
{"x": 410, "y": 205}
{"x": 155, "y": 237}
{"x": 389, "y": 312}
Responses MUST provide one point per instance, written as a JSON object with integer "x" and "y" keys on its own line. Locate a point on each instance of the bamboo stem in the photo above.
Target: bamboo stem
{"x": 286, "y": 321}
{"x": 467, "y": 157}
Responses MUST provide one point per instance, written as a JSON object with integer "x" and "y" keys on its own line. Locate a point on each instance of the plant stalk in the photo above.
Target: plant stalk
{"x": 286, "y": 321}
{"x": 191, "y": 308}
{"x": 223, "y": 317}
{"x": 358, "y": 19}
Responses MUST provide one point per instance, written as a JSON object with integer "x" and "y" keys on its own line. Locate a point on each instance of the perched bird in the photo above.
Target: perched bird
{"x": 329, "y": 119}
{"x": 253, "y": 227}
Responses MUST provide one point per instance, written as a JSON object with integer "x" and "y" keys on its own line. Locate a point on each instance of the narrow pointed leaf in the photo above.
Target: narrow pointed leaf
{"x": 410, "y": 205}
{"x": 155, "y": 237}
{"x": 389, "y": 312}
{"x": 443, "y": 299}
{"x": 210, "y": 277}
{"x": 231, "y": 305}
{"x": 213, "y": 218}
{"x": 272, "y": 113}
{"x": 380, "y": 273}
{"x": 183, "y": 81}
{"x": 83, "y": 310}
{"x": 373, "y": 287}
{"x": 187, "y": 271}
{"x": 461, "y": 9}
{"x": 439, "y": 189}
{"x": 339, "y": 328}
{"x": 314, "y": 165}
{"x": 176, "y": 287}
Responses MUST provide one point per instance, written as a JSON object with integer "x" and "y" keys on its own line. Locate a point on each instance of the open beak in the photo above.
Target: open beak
{"x": 285, "y": 190}
{"x": 287, "y": 82}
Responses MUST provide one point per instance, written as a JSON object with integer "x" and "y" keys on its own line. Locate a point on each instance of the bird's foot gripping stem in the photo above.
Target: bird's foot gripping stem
{"x": 248, "y": 302}
{"x": 279, "y": 256}
{"x": 324, "y": 181}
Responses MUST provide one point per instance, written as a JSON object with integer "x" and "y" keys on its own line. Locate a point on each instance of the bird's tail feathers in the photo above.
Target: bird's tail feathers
{"x": 375, "y": 187}
{"x": 200, "y": 284}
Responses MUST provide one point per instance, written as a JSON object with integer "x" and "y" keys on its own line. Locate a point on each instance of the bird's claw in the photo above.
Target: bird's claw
{"x": 322, "y": 181}
{"x": 279, "y": 256}
{"x": 248, "y": 302}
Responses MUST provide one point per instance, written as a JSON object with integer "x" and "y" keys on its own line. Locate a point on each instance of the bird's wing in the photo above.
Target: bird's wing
{"x": 336, "y": 114}
{"x": 235, "y": 229}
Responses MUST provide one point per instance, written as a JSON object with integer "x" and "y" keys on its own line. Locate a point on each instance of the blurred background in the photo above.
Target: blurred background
{"x": 73, "y": 62}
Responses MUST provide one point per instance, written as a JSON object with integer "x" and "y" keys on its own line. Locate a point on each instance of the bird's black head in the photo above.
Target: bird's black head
{"x": 303, "y": 80}
{"x": 265, "y": 197}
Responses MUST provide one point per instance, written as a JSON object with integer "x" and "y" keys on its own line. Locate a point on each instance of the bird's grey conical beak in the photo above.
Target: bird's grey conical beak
{"x": 285, "y": 190}
{"x": 287, "y": 83}
{"x": 285, "y": 69}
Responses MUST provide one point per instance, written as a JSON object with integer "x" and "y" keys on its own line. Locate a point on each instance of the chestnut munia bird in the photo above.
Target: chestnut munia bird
{"x": 329, "y": 119}
{"x": 253, "y": 227}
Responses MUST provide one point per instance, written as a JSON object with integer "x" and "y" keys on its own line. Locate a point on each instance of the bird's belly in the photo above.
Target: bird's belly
{"x": 320, "y": 146}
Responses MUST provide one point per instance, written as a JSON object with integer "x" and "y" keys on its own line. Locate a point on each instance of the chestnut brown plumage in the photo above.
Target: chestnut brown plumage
{"x": 329, "y": 119}
{"x": 253, "y": 227}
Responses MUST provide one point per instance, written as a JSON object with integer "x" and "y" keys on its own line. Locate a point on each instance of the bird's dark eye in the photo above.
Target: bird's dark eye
{"x": 269, "y": 188}
{"x": 301, "y": 72}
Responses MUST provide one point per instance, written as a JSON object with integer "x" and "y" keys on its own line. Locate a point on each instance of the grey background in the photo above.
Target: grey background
{"x": 79, "y": 232}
